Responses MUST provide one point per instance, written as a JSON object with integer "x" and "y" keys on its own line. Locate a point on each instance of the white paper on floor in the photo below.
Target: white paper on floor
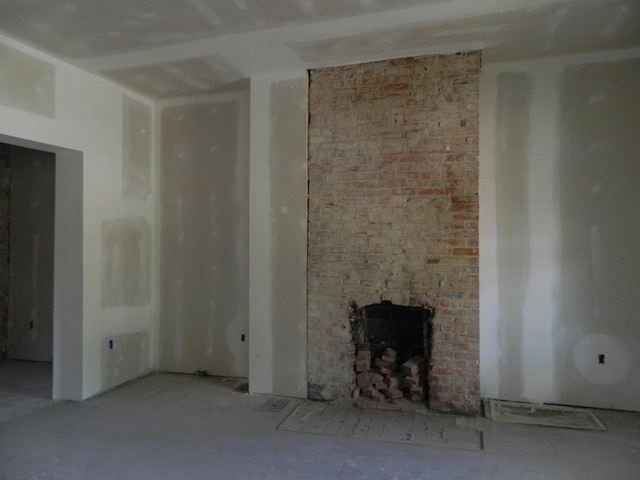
{"x": 538, "y": 414}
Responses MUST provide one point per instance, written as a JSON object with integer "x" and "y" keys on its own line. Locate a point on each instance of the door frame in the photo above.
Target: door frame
{"x": 68, "y": 268}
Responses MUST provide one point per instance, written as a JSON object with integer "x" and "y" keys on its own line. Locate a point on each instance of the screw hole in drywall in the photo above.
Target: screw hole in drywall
{"x": 110, "y": 344}
{"x": 601, "y": 358}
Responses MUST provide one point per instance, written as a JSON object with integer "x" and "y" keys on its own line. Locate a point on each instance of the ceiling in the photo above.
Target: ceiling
{"x": 171, "y": 48}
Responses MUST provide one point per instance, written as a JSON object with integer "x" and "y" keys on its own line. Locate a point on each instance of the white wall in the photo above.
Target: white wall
{"x": 559, "y": 224}
{"x": 204, "y": 161}
{"x": 278, "y": 241}
{"x": 63, "y": 110}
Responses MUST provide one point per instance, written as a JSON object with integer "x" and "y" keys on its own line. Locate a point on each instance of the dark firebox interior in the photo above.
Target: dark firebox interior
{"x": 405, "y": 329}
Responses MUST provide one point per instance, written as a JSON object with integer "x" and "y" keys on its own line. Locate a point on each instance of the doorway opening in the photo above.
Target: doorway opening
{"x": 29, "y": 227}
{"x": 55, "y": 267}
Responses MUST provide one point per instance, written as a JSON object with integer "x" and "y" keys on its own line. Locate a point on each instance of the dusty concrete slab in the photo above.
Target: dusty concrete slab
{"x": 410, "y": 428}
{"x": 169, "y": 426}
{"x": 25, "y": 387}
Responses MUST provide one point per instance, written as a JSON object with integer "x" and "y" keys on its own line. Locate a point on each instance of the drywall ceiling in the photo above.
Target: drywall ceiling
{"x": 170, "y": 48}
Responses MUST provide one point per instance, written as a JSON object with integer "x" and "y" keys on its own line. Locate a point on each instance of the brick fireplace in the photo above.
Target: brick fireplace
{"x": 393, "y": 214}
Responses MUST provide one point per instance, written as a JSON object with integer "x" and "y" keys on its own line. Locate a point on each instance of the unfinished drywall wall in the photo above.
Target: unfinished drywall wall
{"x": 86, "y": 134}
{"x": 288, "y": 175}
{"x": 204, "y": 185}
{"x": 30, "y": 325}
{"x": 5, "y": 188}
{"x": 136, "y": 148}
{"x": 600, "y": 225}
{"x": 512, "y": 182}
{"x": 126, "y": 262}
{"x": 559, "y": 223}
{"x": 68, "y": 276}
{"x": 277, "y": 294}
{"x": 26, "y": 82}
{"x": 124, "y": 357}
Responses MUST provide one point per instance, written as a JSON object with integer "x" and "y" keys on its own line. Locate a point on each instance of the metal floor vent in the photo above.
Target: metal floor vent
{"x": 273, "y": 404}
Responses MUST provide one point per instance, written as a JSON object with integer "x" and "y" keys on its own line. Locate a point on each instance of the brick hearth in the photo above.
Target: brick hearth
{"x": 393, "y": 213}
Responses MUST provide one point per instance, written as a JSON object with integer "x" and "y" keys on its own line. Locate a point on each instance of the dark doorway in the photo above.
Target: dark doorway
{"x": 31, "y": 254}
{"x": 68, "y": 266}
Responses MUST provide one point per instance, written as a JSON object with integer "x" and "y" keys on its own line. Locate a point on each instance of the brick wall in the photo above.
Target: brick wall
{"x": 5, "y": 184}
{"x": 393, "y": 213}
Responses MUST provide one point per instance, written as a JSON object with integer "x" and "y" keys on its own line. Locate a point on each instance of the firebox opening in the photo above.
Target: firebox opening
{"x": 393, "y": 347}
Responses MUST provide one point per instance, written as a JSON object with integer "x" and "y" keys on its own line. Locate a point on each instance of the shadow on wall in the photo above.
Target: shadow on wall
{"x": 513, "y": 107}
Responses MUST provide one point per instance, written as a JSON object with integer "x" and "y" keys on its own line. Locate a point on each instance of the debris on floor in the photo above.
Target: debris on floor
{"x": 540, "y": 414}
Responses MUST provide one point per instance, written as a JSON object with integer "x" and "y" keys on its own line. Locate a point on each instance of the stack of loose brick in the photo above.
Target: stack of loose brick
{"x": 414, "y": 370}
{"x": 386, "y": 380}
{"x": 367, "y": 380}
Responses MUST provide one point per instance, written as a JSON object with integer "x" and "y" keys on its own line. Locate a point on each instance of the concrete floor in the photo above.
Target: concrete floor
{"x": 170, "y": 426}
